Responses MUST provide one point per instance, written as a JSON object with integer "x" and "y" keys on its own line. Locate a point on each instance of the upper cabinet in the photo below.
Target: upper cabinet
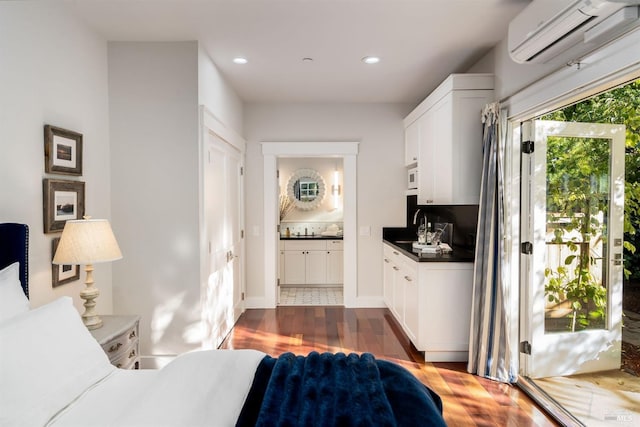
{"x": 411, "y": 142}
{"x": 444, "y": 134}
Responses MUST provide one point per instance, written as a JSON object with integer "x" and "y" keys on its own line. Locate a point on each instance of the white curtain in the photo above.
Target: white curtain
{"x": 489, "y": 344}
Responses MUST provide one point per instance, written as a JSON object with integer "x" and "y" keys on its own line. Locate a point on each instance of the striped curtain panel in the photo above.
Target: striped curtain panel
{"x": 489, "y": 345}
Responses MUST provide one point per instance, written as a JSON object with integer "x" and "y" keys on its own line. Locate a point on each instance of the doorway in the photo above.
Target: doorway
{"x": 573, "y": 196}
{"x": 311, "y": 224}
{"x": 347, "y": 152}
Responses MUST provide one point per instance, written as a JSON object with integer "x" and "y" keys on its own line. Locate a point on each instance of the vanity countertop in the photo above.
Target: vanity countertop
{"x": 310, "y": 237}
{"x": 459, "y": 254}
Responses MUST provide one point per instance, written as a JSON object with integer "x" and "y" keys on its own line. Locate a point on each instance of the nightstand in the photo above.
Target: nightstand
{"x": 118, "y": 337}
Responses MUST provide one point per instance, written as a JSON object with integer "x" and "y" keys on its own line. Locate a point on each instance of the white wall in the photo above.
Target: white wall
{"x": 53, "y": 70}
{"x": 510, "y": 77}
{"x": 155, "y": 90}
{"x": 217, "y": 95}
{"x": 380, "y": 178}
{"x": 325, "y": 167}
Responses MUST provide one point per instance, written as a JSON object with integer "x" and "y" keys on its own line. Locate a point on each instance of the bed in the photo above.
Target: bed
{"x": 53, "y": 373}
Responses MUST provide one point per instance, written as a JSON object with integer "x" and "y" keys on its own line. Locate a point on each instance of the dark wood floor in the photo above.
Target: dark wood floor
{"x": 468, "y": 400}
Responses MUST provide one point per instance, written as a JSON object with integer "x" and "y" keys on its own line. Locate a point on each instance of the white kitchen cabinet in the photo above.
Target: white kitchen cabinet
{"x": 448, "y": 129}
{"x": 411, "y": 141}
{"x": 388, "y": 277}
{"x": 312, "y": 262}
{"x": 432, "y": 303}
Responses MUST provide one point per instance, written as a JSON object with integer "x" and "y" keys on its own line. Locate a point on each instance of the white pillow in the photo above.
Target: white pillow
{"x": 12, "y": 299}
{"x": 48, "y": 359}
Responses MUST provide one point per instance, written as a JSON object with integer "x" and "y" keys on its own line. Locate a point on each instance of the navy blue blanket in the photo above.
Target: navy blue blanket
{"x": 338, "y": 390}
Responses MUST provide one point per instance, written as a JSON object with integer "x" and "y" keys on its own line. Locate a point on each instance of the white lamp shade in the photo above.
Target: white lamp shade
{"x": 87, "y": 241}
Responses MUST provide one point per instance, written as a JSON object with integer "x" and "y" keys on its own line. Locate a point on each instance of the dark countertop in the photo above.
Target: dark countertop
{"x": 459, "y": 254}
{"x": 310, "y": 237}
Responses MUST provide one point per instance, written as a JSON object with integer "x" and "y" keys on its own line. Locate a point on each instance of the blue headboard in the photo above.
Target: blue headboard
{"x": 14, "y": 246}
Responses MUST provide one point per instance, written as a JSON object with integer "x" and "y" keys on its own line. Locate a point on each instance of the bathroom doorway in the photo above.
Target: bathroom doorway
{"x": 311, "y": 218}
{"x": 345, "y": 154}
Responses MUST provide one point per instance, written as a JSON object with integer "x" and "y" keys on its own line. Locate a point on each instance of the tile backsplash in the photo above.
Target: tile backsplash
{"x": 310, "y": 227}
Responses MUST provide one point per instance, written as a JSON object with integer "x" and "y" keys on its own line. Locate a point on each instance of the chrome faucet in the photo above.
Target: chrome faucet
{"x": 415, "y": 217}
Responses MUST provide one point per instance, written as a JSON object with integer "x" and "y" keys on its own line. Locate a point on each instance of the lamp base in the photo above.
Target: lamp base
{"x": 90, "y": 319}
{"x": 92, "y": 322}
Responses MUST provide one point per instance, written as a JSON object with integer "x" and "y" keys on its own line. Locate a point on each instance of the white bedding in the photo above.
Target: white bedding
{"x": 204, "y": 388}
{"x": 53, "y": 372}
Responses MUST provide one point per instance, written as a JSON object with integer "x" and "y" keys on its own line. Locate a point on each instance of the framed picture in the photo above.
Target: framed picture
{"x": 63, "y": 200}
{"x": 61, "y": 274}
{"x": 62, "y": 151}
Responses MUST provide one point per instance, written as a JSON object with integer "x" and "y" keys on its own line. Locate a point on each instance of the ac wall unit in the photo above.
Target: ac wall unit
{"x": 560, "y": 31}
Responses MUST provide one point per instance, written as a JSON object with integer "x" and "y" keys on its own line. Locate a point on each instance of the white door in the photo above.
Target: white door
{"x": 222, "y": 218}
{"x": 574, "y": 222}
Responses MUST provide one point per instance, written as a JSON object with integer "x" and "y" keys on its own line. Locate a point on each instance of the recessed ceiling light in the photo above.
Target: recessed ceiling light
{"x": 240, "y": 60}
{"x": 371, "y": 59}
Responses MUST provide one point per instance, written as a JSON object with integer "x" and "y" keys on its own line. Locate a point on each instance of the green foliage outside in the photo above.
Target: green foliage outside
{"x": 577, "y": 197}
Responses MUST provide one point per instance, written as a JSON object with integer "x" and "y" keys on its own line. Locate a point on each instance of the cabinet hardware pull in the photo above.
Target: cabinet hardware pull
{"x": 395, "y": 268}
{"x": 395, "y": 253}
{"x": 115, "y": 347}
{"x": 408, "y": 279}
{"x": 386, "y": 260}
{"x": 132, "y": 354}
{"x": 132, "y": 334}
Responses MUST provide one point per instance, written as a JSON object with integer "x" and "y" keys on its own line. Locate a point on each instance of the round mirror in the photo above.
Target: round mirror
{"x": 306, "y": 189}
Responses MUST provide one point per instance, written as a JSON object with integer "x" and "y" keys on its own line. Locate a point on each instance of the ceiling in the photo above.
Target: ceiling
{"x": 419, "y": 42}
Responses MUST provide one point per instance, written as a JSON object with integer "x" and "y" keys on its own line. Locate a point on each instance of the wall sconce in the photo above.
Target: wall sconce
{"x": 335, "y": 189}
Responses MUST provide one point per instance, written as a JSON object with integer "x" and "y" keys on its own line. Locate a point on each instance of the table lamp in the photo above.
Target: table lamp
{"x": 87, "y": 241}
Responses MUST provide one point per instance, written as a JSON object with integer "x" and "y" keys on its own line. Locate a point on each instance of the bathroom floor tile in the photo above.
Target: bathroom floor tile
{"x": 311, "y": 296}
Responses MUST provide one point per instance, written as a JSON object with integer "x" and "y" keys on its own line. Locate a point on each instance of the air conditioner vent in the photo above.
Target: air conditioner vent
{"x": 563, "y": 30}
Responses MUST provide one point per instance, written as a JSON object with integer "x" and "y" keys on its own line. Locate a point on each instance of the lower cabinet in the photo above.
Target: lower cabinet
{"x": 311, "y": 262}
{"x": 432, "y": 303}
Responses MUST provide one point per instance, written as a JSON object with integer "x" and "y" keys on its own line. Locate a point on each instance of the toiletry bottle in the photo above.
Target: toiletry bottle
{"x": 288, "y": 232}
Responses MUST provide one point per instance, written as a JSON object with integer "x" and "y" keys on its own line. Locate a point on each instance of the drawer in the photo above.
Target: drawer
{"x": 305, "y": 245}
{"x": 121, "y": 343}
{"x": 334, "y": 245}
{"x": 127, "y": 358}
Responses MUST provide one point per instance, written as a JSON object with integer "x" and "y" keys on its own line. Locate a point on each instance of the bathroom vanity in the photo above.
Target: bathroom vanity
{"x": 311, "y": 260}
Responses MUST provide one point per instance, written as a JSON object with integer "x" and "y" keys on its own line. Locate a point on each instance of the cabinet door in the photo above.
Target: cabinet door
{"x": 426, "y": 153}
{"x": 281, "y": 268}
{"x": 441, "y": 167}
{"x": 411, "y": 142}
{"x": 316, "y": 264}
{"x": 466, "y": 157}
{"x": 450, "y": 149}
{"x": 398, "y": 293}
{"x": 335, "y": 262}
{"x": 294, "y": 267}
{"x": 447, "y": 302}
{"x": 387, "y": 268}
{"x": 411, "y": 306}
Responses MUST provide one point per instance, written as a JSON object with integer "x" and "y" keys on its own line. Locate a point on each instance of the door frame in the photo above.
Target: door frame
{"x": 210, "y": 124}
{"x": 348, "y": 152}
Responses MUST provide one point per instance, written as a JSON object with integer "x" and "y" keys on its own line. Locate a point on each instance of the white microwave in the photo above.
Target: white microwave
{"x": 412, "y": 178}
